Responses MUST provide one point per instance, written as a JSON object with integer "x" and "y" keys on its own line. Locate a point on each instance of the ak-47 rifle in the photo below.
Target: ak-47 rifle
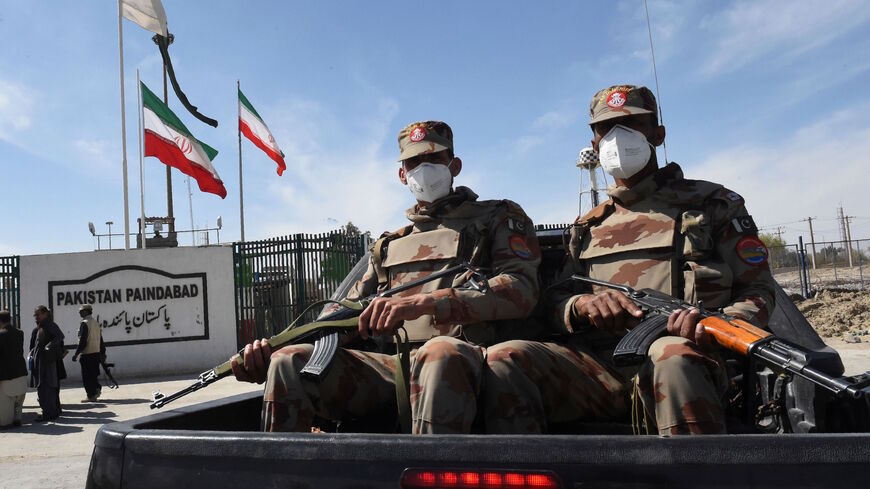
{"x": 730, "y": 332}
{"x": 106, "y": 369}
{"x": 324, "y": 331}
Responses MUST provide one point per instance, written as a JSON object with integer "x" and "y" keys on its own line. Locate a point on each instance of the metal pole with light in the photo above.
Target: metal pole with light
{"x": 109, "y": 223}
{"x": 93, "y": 231}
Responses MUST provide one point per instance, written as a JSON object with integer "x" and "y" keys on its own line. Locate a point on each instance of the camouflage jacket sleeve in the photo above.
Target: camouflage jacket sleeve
{"x": 514, "y": 257}
{"x": 561, "y": 297}
{"x": 737, "y": 244}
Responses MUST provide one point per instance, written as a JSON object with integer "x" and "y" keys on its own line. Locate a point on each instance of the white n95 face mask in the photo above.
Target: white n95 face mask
{"x": 430, "y": 181}
{"x": 623, "y": 152}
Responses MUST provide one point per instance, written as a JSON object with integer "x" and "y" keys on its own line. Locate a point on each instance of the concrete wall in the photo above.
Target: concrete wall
{"x": 163, "y": 311}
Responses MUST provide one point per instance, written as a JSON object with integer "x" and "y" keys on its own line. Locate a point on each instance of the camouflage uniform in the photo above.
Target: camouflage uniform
{"x": 447, "y": 358}
{"x": 631, "y": 240}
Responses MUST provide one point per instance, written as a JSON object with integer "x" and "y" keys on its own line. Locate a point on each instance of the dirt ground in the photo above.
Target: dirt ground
{"x": 843, "y": 314}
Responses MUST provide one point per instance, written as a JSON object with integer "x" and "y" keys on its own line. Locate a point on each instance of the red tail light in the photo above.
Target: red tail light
{"x": 478, "y": 479}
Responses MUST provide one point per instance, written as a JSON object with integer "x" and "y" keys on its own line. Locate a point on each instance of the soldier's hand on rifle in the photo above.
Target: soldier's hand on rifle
{"x": 608, "y": 309}
{"x": 256, "y": 363}
{"x": 383, "y": 314}
{"x": 685, "y": 323}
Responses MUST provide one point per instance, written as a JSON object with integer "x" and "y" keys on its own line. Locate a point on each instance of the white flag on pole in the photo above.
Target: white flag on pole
{"x": 149, "y": 14}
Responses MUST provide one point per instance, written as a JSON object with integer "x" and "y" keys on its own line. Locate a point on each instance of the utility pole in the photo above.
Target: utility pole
{"x": 779, "y": 234}
{"x": 849, "y": 238}
{"x": 812, "y": 240}
{"x": 841, "y": 222}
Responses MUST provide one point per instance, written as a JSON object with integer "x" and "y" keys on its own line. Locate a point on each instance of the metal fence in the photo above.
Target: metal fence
{"x": 828, "y": 264}
{"x": 276, "y": 279}
{"x": 10, "y": 287}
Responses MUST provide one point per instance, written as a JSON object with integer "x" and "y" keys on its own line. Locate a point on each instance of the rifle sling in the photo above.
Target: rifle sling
{"x": 292, "y": 334}
{"x": 403, "y": 372}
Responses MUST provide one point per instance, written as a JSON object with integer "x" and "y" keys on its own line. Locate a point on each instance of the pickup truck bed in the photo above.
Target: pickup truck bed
{"x": 216, "y": 444}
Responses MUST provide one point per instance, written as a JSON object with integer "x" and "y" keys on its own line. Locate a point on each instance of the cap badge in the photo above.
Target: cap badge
{"x": 417, "y": 134}
{"x": 616, "y": 99}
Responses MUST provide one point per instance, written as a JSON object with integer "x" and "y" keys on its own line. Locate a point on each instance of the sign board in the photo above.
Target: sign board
{"x": 164, "y": 311}
{"x": 135, "y": 304}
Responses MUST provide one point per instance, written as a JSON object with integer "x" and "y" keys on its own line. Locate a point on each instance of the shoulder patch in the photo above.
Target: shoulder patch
{"x": 751, "y": 251}
{"x": 732, "y": 198}
{"x": 520, "y": 247}
{"x": 744, "y": 225}
{"x": 516, "y": 226}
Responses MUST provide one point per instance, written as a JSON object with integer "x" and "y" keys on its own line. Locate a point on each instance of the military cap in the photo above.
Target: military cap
{"x": 86, "y": 307}
{"x": 620, "y": 101}
{"x": 424, "y": 137}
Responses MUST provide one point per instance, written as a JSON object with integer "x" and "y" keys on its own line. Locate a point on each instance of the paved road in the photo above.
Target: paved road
{"x": 57, "y": 454}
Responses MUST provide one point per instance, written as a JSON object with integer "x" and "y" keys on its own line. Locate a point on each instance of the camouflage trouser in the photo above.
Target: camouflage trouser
{"x": 531, "y": 385}
{"x": 445, "y": 381}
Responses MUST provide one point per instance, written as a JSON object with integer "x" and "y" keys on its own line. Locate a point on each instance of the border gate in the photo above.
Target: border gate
{"x": 10, "y": 287}
{"x": 276, "y": 279}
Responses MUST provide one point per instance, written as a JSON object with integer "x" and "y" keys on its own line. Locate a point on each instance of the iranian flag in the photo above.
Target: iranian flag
{"x": 253, "y": 127}
{"x": 168, "y": 140}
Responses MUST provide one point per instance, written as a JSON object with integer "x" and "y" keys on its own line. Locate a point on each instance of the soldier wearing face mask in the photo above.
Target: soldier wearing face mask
{"x": 691, "y": 239}
{"x": 448, "y": 325}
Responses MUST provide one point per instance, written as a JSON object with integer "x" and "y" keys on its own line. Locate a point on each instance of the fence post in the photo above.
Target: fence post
{"x": 860, "y": 266}
{"x": 300, "y": 273}
{"x": 237, "y": 289}
{"x": 836, "y": 279}
{"x": 802, "y": 269}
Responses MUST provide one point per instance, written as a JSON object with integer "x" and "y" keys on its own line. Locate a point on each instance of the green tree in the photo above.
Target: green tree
{"x": 771, "y": 240}
{"x": 781, "y": 254}
{"x": 337, "y": 261}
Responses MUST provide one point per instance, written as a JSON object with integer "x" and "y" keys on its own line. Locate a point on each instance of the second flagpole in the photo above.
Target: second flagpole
{"x": 241, "y": 187}
{"x": 141, "y": 173}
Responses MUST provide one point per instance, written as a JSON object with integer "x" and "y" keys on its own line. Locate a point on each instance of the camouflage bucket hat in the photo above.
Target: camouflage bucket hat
{"x": 620, "y": 101}
{"x": 424, "y": 137}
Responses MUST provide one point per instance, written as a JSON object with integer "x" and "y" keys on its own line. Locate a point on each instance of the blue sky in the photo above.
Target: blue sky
{"x": 767, "y": 97}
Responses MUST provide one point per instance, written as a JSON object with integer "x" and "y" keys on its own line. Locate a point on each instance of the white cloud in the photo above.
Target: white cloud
{"x": 555, "y": 119}
{"x": 809, "y": 174}
{"x": 749, "y": 31}
{"x": 548, "y": 126}
{"x": 16, "y": 109}
{"x": 337, "y": 171}
{"x": 97, "y": 155}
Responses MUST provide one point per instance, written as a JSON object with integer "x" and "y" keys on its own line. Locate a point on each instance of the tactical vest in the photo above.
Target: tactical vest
{"x": 94, "y": 332}
{"x": 460, "y": 235}
{"x": 663, "y": 244}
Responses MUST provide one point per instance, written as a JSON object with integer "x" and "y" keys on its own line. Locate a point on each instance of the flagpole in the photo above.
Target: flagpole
{"x": 123, "y": 131}
{"x": 241, "y": 189}
{"x": 141, "y": 177}
{"x": 190, "y": 203}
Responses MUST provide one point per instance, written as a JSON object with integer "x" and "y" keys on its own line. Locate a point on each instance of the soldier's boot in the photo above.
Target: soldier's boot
{"x": 682, "y": 387}
{"x": 445, "y": 382}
